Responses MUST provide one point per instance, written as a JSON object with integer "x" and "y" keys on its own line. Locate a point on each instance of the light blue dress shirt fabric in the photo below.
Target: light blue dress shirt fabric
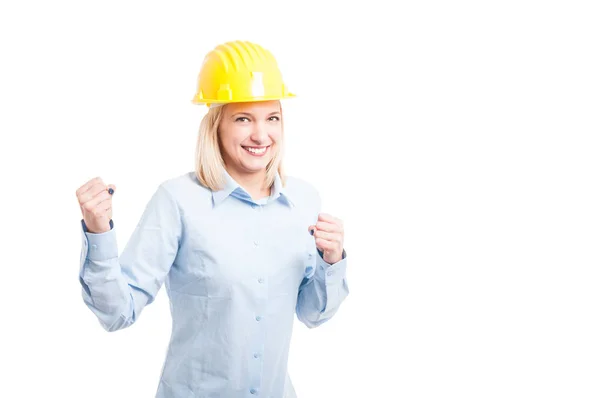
{"x": 235, "y": 270}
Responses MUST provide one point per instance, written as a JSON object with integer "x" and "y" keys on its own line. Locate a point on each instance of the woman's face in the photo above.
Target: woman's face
{"x": 249, "y": 134}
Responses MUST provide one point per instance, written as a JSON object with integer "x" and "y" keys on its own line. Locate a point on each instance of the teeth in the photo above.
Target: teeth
{"x": 257, "y": 151}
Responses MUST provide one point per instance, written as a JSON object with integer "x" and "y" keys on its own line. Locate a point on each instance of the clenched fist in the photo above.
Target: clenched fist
{"x": 95, "y": 201}
{"x": 329, "y": 237}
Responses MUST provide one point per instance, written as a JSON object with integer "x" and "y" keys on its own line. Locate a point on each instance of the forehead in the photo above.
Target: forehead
{"x": 258, "y": 107}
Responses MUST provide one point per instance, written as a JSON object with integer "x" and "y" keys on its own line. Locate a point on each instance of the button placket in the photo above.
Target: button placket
{"x": 257, "y": 245}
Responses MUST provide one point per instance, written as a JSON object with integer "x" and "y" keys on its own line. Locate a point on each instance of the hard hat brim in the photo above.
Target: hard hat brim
{"x": 253, "y": 99}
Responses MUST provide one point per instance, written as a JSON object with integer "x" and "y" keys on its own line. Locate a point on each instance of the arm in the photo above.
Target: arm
{"x": 324, "y": 286}
{"x": 322, "y": 291}
{"x": 116, "y": 289}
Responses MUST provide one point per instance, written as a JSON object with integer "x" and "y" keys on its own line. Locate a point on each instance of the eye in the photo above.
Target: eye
{"x": 242, "y": 119}
{"x": 274, "y": 119}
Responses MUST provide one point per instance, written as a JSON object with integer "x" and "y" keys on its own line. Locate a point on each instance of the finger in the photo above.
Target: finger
{"x": 93, "y": 203}
{"x": 328, "y": 227}
{"x": 106, "y": 199}
{"x": 329, "y": 236}
{"x": 331, "y": 219}
{"x": 85, "y": 187}
{"x": 327, "y": 217}
{"x": 91, "y": 193}
{"x": 105, "y": 206}
{"x": 325, "y": 244}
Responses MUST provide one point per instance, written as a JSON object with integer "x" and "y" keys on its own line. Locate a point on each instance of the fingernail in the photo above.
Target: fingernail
{"x": 111, "y": 191}
{"x": 312, "y": 231}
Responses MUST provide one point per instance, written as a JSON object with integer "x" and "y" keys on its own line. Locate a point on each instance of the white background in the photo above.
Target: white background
{"x": 457, "y": 140}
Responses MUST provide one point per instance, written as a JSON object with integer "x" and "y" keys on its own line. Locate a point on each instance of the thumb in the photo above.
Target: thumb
{"x": 111, "y": 189}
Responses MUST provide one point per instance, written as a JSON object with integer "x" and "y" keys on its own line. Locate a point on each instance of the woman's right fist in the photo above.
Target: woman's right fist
{"x": 95, "y": 201}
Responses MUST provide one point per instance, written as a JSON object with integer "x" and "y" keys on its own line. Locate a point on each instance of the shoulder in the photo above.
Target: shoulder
{"x": 184, "y": 188}
{"x": 183, "y": 181}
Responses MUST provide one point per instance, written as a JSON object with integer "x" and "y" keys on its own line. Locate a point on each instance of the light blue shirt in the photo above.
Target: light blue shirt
{"x": 235, "y": 270}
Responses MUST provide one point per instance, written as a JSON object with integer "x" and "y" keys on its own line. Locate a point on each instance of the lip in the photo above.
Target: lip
{"x": 257, "y": 147}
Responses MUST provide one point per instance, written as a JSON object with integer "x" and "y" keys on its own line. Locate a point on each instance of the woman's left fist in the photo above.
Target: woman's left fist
{"x": 329, "y": 237}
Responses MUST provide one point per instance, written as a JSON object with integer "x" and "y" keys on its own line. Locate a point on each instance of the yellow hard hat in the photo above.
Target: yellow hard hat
{"x": 239, "y": 71}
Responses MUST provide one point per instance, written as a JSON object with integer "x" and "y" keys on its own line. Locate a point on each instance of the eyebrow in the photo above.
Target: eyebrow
{"x": 241, "y": 114}
{"x": 237, "y": 114}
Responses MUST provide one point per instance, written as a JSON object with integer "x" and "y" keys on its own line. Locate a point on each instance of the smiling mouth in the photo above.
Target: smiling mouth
{"x": 256, "y": 150}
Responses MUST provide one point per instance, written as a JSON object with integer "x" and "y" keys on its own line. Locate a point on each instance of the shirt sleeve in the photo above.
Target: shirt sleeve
{"x": 116, "y": 289}
{"x": 322, "y": 290}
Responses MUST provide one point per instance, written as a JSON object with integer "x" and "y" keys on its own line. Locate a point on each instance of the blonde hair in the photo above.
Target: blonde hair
{"x": 209, "y": 160}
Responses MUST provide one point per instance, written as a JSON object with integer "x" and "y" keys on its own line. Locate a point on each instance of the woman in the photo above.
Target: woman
{"x": 239, "y": 247}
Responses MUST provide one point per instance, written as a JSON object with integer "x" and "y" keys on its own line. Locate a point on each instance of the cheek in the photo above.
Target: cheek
{"x": 276, "y": 135}
{"x": 232, "y": 138}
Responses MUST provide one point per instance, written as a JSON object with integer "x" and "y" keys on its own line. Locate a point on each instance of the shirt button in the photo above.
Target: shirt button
{"x": 329, "y": 273}
{"x": 255, "y": 243}
{"x": 252, "y": 391}
{"x": 94, "y": 247}
{"x": 258, "y": 318}
{"x": 256, "y": 355}
{"x": 260, "y": 280}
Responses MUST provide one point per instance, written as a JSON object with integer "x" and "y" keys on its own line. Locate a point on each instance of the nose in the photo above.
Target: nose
{"x": 260, "y": 134}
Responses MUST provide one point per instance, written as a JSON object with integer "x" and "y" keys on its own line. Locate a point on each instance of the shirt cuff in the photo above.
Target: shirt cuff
{"x": 101, "y": 246}
{"x": 331, "y": 273}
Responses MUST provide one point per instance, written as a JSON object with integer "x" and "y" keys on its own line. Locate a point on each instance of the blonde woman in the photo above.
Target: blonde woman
{"x": 240, "y": 247}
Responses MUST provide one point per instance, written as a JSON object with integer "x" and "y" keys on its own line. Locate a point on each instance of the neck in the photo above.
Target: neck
{"x": 254, "y": 184}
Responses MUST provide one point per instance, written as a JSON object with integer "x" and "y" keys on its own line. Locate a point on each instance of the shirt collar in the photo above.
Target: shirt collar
{"x": 230, "y": 186}
{"x": 279, "y": 191}
{"x": 233, "y": 188}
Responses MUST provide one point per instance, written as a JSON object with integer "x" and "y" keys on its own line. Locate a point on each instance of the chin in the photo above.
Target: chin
{"x": 255, "y": 165}
{"x": 256, "y": 168}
